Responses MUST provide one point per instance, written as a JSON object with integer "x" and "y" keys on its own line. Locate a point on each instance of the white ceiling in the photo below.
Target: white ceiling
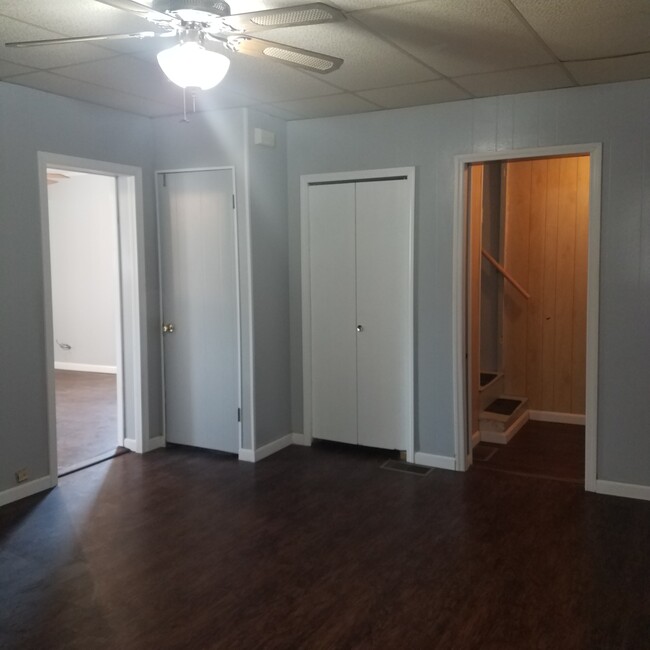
{"x": 397, "y": 53}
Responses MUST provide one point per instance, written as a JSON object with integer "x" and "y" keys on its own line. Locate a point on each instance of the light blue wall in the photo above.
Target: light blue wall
{"x": 216, "y": 139}
{"x": 225, "y": 138}
{"x": 32, "y": 121}
{"x": 270, "y": 259}
{"x": 429, "y": 137}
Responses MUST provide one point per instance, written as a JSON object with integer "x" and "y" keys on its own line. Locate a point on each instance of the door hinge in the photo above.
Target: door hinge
{"x": 238, "y": 415}
{"x": 233, "y": 201}
{"x": 164, "y": 180}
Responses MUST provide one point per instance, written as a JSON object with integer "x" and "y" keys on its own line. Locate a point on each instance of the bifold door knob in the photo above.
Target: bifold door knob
{"x": 168, "y": 328}
{"x": 359, "y": 328}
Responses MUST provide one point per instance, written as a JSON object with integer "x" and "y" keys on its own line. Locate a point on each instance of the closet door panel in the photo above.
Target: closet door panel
{"x": 383, "y": 346}
{"x": 333, "y": 310}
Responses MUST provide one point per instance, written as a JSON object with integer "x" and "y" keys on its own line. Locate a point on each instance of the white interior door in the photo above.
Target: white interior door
{"x": 333, "y": 312}
{"x": 384, "y": 350}
{"x": 199, "y": 298}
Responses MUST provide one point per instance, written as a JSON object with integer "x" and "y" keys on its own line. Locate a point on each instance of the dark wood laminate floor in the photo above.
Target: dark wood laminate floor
{"x": 320, "y": 548}
{"x": 86, "y": 416}
{"x": 543, "y": 449}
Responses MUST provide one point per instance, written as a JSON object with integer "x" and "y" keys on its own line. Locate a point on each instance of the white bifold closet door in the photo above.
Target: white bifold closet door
{"x": 360, "y": 339}
{"x": 199, "y": 296}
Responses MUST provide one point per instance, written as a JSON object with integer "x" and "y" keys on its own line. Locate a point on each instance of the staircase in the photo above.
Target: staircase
{"x": 502, "y": 417}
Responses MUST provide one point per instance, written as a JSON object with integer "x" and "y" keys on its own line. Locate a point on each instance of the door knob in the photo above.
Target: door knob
{"x": 168, "y": 328}
{"x": 359, "y": 328}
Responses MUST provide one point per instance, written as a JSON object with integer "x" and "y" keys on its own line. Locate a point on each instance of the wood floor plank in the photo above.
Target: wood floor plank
{"x": 86, "y": 416}
{"x": 319, "y": 548}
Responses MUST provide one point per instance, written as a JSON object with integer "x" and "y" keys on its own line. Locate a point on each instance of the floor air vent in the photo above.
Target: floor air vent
{"x": 406, "y": 468}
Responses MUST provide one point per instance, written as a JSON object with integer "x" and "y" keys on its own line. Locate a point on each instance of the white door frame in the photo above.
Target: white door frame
{"x": 459, "y": 300}
{"x": 132, "y": 371}
{"x": 244, "y": 454}
{"x": 351, "y": 177}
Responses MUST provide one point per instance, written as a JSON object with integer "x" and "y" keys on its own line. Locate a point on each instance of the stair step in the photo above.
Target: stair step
{"x": 489, "y": 391}
{"x": 502, "y": 418}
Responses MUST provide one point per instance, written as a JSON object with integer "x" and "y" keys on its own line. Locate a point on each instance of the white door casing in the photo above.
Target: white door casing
{"x": 133, "y": 405}
{"x": 459, "y": 307}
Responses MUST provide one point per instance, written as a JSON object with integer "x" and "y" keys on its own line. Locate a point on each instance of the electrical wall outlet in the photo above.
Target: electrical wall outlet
{"x": 21, "y": 475}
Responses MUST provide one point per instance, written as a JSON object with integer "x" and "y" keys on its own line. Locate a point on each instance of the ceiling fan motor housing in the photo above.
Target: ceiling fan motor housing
{"x": 177, "y": 7}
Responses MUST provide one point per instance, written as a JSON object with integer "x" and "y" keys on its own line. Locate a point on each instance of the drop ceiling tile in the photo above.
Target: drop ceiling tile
{"x": 8, "y": 69}
{"x": 128, "y": 75}
{"x": 50, "y": 82}
{"x": 269, "y": 82}
{"x": 242, "y": 6}
{"x": 610, "y": 70}
{"x": 428, "y": 92}
{"x": 369, "y": 62}
{"x": 276, "y": 111}
{"x": 342, "y": 104}
{"x": 589, "y": 28}
{"x": 47, "y": 56}
{"x": 217, "y": 99}
{"x": 74, "y": 17}
{"x": 524, "y": 80}
{"x": 458, "y": 37}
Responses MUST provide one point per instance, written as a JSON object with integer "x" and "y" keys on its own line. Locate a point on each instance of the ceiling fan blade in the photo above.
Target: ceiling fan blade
{"x": 295, "y": 16}
{"x": 292, "y": 56}
{"x": 83, "y": 39}
{"x": 141, "y": 10}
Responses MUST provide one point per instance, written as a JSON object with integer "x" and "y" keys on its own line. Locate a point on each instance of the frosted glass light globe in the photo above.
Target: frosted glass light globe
{"x": 190, "y": 65}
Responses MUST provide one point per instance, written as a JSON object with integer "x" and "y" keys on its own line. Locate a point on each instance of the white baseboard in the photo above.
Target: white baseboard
{"x": 552, "y": 416}
{"x": 299, "y": 439}
{"x": 154, "y": 443}
{"x": 247, "y": 455}
{"x": 431, "y": 460}
{"x": 503, "y": 437}
{"x": 628, "y": 490}
{"x": 254, "y": 455}
{"x": 26, "y": 490}
{"x": 130, "y": 444}
{"x": 85, "y": 367}
{"x": 273, "y": 447}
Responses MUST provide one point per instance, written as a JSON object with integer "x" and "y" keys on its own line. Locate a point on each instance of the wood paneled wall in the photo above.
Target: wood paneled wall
{"x": 545, "y": 248}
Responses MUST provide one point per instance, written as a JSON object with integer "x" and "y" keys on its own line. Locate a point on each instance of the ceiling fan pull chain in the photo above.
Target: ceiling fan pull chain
{"x": 185, "y": 106}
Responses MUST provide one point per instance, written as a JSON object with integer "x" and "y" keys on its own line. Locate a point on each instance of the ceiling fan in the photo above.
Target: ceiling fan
{"x": 198, "y": 25}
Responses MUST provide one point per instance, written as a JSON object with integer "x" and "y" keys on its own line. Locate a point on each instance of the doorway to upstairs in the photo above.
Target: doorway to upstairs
{"x": 86, "y": 316}
{"x": 528, "y": 223}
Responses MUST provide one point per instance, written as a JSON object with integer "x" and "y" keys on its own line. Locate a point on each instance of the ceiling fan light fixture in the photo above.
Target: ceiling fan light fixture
{"x": 190, "y": 65}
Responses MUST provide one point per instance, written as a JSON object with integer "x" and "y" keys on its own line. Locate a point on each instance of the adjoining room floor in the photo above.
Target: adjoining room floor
{"x": 319, "y": 548}
{"x": 86, "y": 416}
{"x": 542, "y": 449}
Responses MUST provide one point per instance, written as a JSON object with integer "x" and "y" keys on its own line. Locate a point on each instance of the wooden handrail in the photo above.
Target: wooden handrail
{"x": 505, "y": 274}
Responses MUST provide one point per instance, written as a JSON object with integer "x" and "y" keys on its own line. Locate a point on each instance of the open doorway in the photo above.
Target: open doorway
{"x": 530, "y": 333}
{"x": 84, "y": 265}
{"x": 128, "y": 402}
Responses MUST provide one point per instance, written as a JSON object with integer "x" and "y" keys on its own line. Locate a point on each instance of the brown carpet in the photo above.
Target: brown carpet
{"x": 86, "y": 416}
{"x": 542, "y": 449}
